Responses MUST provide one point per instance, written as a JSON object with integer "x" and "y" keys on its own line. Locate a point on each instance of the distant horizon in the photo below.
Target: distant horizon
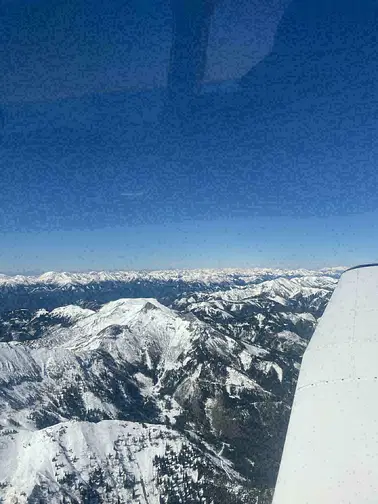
{"x": 38, "y": 273}
{"x": 268, "y": 242}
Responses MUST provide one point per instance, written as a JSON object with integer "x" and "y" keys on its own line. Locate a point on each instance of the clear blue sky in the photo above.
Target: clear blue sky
{"x": 282, "y": 174}
{"x": 269, "y": 242}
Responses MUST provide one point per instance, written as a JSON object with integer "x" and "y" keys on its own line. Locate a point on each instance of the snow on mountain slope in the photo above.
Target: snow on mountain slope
{"x": 237, "y": 381}
{"x": 204, "y": 276}
{"x": 216, "y": 370}
{"x": 136, "y": 360}
{"x": 108, "y": 461}
{"x": 71, "y": 312}
{"x": 92, "y": 289}
{"x": 129, "y": 329}
{"x": 109, "y": 363}
{"x": 280, "y": 288}
{"x": 123, "y": 337}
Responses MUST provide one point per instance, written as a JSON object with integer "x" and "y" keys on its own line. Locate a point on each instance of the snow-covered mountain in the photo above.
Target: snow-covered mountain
{"x": 109, "y": 461}
{"x": 51, "y": 290}
{"x": 136, "y": 401}
{"x": 203, "y": 276}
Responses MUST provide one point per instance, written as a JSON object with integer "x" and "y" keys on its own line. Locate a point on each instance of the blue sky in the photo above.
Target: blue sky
{"x": 265, "y": 242}
{"x": 281, "y": 172}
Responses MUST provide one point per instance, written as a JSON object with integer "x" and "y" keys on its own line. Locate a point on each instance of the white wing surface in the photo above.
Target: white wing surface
{"x": 331, "y": 449}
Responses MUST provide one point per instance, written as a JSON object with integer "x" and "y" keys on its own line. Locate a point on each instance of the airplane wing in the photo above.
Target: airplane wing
{"x": 331, "y": 448}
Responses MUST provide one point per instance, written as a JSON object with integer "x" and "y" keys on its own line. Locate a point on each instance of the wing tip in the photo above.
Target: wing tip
{"x": 368, "y": 265}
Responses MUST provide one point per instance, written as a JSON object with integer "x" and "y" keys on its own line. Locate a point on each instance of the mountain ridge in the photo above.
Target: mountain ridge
{"x": 205, "y": 379}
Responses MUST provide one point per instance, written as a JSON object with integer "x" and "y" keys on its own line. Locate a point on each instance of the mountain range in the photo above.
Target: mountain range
{"x": 151, "y": 387}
